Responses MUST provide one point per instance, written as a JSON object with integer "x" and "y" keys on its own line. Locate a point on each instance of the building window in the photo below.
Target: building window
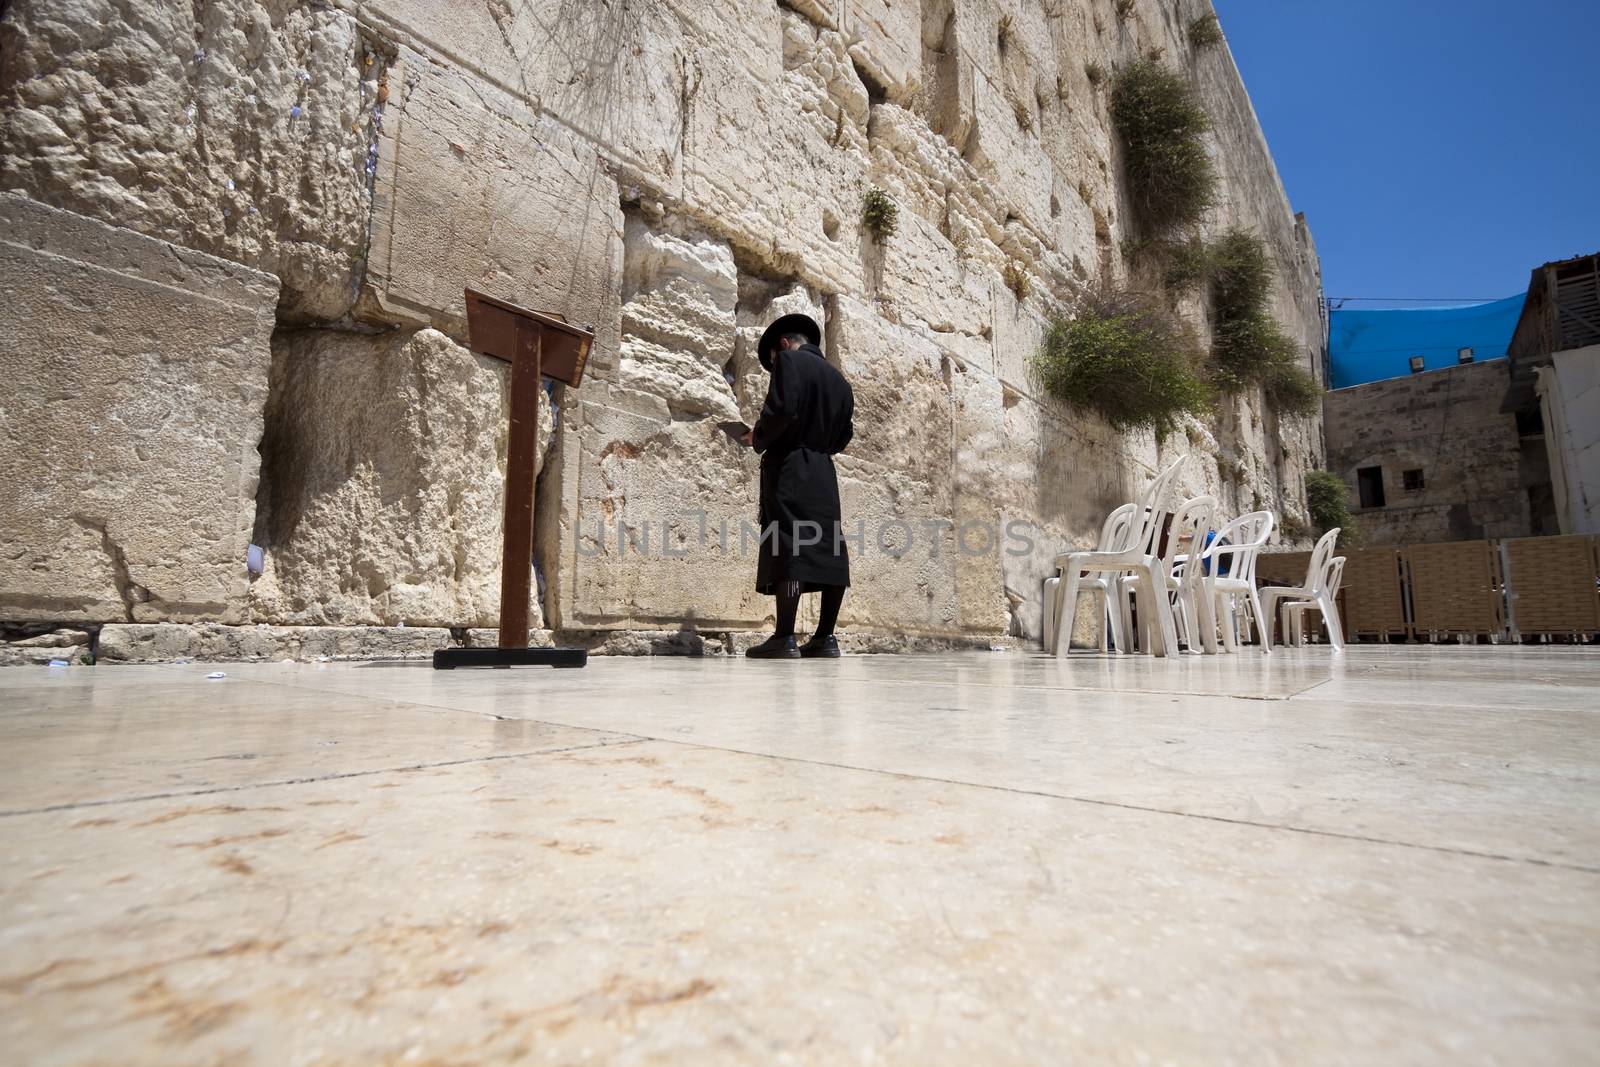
{"x": 1464, "y": 355}
{"x": 1416, "y": 364}
{"x": 1413, "y": 481}
{"x": 1370, "y": 481}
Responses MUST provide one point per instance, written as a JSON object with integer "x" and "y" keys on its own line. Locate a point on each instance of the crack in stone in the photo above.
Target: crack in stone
{"x": 130, "y": 591}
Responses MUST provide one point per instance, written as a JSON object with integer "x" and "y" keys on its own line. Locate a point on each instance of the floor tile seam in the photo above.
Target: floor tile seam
{"x": 489, "y": 715}
{"x": 897, "y": 682}
{"x": 622, "y": 740}
{"x": 1142, "y": 808}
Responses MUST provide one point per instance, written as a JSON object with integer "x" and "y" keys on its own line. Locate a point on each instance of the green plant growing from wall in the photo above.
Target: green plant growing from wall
{"x": 1125, "y": 8}
{"x": 1178, "y": 266}
{"x": 1205, "y": 31}
{"x": 1292, "y": 391}
{"x": 1123, "y": 354}
{"x": 1248, "y": 346}
{"x": 1188, "y": 265}
{"x": 880, "y": 214}
{"x": 1094, "y": 72}
{"x": 1246, "y": 349}
{"x": 1328, "y": 501}
{"x": 1170, "y": 176}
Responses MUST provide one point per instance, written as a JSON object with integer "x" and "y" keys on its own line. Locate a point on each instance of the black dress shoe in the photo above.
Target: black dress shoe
{"x": 774, "y": 648}
{"x": 821, "y": 648}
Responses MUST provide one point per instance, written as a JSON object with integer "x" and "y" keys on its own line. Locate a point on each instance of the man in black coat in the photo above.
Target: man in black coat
{"x": 804, "y": 423}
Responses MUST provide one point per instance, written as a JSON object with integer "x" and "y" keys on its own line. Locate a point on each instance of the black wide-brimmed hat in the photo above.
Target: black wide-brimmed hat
{"x": 804, "y": 325}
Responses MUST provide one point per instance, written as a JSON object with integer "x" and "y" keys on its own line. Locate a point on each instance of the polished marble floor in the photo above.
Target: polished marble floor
{"x": 1391, "y": 856}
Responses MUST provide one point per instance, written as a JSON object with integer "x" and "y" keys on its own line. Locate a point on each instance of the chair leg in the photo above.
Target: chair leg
{"x": 1139, "y": 631}
{"x": 1261, "y": 630}
{"x": 1125, "y": 617}
{"x": 1206, "y": 615}
{"x": 1330, "y": 615}
{"x": 1116, "y": 616}
{"x": 1066, "y": 610}
{"x": 1164, "y": 616}
{"x": 1048, "y": 630}
{"x": 1150, "y": 604}
{"x": 1105, "y": 624}
{"x": 1186, "y": 616}
{"x": 1273, "y": 605}
{"x": 1229, "y": 622}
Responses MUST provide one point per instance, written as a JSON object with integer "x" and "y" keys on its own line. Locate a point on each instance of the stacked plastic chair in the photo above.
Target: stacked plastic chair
{"x": 1111, "y": 620}
{"x": 1133, "y": 552}
{"x": 1228, "y": 571}
{"x": 1323, "y": 575}
{"x": 1181, "y": 586}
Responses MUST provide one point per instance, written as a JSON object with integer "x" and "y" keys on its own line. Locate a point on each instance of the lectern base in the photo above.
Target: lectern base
{"x": 448, "y": 659}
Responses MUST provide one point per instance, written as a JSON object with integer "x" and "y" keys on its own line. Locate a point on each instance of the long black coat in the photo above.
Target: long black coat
{"x": 804, "y": 423}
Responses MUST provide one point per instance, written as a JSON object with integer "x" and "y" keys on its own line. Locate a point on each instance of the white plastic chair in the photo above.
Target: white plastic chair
{"x": 1111, "y": 619}
{"x": 1235, "y": 549}
{"x": 1296, "y": 611}
{"x": 1190, "y": 522}
{"x": 1134, "y": 552}
{"x": 1314, "y": 591}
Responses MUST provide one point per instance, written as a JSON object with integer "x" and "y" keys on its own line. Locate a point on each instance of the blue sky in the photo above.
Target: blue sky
{"x": 1438, "y": 149}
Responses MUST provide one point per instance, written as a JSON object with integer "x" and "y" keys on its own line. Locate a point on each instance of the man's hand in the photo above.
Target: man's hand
{"x": 749, "y": 437}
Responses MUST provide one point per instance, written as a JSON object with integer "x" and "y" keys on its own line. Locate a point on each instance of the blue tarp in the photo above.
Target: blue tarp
{"x": 1369, "y": 346}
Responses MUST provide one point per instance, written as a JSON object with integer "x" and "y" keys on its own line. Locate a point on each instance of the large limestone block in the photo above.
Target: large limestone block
{"x": 210, "y": 642}
{"x": 887, "y": 36}
{"x": 765, "y": 168}
{"x": 473, "y": 189}
{"x": 611, "y": 72}
{"x": 902, "y": 550}
{"x": 680, "y": 290}
{"x": 1018, "y": 333}
{"x": 234, "y": 127}
{"x": 983, "y": 470}
{"x": 828, "y": 14}
{"x": 1009, "y": 157}
{"x": 671, "y": 489}
{"x": 745, "y": 33}
{"x": 821, "y": 58}
{"x": 382, "y": 500}
{"x": 902, "y": 415}
{"x": 918, "y": 281}
{"x": 135, "y": 376}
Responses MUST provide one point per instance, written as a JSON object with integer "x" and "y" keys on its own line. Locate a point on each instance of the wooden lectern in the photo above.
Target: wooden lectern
{"x": 535, "y": 344}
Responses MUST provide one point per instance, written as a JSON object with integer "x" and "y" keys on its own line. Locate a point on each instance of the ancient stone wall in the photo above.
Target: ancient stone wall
{"x": 672, "y": 173}
{"x": 1447, "y": 426}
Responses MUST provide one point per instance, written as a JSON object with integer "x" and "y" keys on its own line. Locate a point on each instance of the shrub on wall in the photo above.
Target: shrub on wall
{"x": 879, "y": 213}
{"x": 1246, "y": 349}
{"x": 1328, "y": 501}
{"x": 1205, "y": 31}
{"x": 1292, "y": 391}
{"x": 1171, "y": 179}
{"x": 1124, "y": 355}
{"x": 1240, "y": 273}
{"x": 1248, "y": 346}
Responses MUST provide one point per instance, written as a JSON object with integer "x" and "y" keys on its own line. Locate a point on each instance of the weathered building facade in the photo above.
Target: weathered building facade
{"x": 1555, "y": 389}
{"x": 237, "y": 235}
{"x": 1430, "y": 456}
